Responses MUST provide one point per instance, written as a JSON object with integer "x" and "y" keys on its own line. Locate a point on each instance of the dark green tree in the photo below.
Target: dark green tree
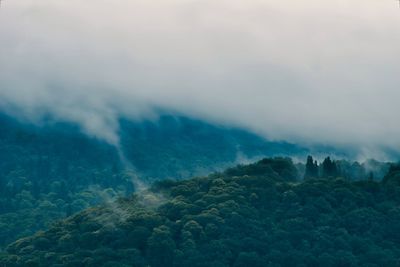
{"x": 329, "y": 168}
{"x": 161, "y": 247}
{"x": 311, "y": 168}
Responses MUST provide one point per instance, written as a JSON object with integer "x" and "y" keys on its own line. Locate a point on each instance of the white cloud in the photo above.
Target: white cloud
{"x": 304, "y": 71}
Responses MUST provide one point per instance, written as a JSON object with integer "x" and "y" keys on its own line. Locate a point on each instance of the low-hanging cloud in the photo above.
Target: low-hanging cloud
{"x": 303, "y": 71}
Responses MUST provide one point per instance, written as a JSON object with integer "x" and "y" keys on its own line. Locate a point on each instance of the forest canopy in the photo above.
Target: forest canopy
{"x": 250, "y": 215}
{"x": 51, "y": 170}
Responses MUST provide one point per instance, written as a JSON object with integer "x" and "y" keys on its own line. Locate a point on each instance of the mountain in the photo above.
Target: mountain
{"x": 52, "y": 170}
{"x": 250, "y": 215}
{"x": 171, "y": 146}
{"x": 181, "y": 147}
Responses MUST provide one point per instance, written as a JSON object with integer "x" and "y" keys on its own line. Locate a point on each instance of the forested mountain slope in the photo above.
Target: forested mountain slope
{"x": 52, "y": 170}
{"x": 47, "y": 173}
{"x": 179, "y": 147}
{"x": 253, "y": 215}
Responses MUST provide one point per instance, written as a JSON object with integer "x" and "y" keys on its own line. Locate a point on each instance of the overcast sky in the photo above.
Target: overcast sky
{"x": 309, "y": 71}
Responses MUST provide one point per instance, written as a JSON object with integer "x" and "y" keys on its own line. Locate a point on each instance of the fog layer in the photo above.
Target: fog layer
{"x": 302, "y": 71}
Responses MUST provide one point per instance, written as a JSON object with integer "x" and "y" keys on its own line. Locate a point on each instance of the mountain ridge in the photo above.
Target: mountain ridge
{"x": 250, "y": 215}
{"x": 51, "y": 170}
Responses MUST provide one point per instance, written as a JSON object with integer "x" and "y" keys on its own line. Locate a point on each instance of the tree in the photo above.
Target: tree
{"x": 161, "y": 247}
{"x": 311, "y": 168}
{"x": 329, "y": 168}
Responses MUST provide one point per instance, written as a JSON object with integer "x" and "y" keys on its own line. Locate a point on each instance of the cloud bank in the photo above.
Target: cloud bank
{"x": 303, "y": 71}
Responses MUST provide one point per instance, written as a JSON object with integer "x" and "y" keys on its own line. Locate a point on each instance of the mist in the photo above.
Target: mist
{"x": 310, "y": 72}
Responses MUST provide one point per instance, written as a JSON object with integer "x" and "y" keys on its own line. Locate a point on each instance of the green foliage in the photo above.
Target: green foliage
{"x": 329, "y": 168}
{"x": 311, "y": 168}
{"x": 257, "y": 218}
{"x": 178, "y": 147}
{"x": 278, "y": 167}
{"x": 52, "y": 171}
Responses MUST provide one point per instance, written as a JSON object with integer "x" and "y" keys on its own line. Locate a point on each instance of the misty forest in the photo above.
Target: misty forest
{"x": 188, "y": 133}
{"x": 71, "y": 200}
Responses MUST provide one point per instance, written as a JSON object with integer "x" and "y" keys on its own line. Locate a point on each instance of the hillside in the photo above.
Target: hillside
{"x": 52, "y": 170}
{"x": 252, "y": 215}
{"x": 180, "y": 147}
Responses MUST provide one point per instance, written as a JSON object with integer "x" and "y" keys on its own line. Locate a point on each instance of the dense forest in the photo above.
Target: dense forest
{"x": 46, "y": 174}
{"x": 179, "y": 147}
{"x": 51, "y": 170}
{"x": 251, "y": 215}
{"x": 199, "y": 133}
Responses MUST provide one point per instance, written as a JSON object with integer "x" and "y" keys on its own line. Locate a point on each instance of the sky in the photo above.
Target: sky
{"x": 306, "y": 71}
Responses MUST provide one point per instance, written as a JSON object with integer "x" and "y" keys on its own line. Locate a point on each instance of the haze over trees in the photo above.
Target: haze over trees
{"x": 250, "y": 215}
{"x": 370, "y": 169}
{"x": 52, "y": 170}
{"x": 178, "y": 133}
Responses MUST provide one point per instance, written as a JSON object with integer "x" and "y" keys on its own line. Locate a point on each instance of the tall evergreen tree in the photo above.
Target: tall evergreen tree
{"x": 311, "y": 168}
{"x": 329, "y": 168}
